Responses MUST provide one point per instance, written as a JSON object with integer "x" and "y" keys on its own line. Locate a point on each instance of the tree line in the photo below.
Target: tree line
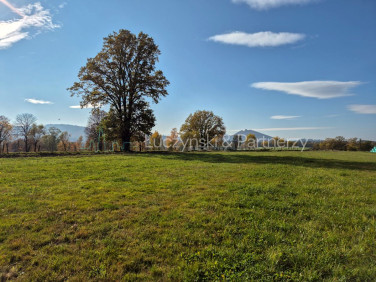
{"x": 202, "y": 130}
{"x": 26, "y": 135}
{"x": 340, "y": 143}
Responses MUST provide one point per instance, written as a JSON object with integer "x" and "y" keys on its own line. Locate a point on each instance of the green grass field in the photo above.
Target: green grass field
{"x": 198, "y": 216}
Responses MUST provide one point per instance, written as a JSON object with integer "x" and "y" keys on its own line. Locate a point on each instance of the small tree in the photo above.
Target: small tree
{"x": 156, "y": 140}
{"x": 5, "y": 133}
{"x": 172, "y": 139}
{"x": 217, "y": 141}
{"x": 275, "y": 141}
{"x": 251, "y": 141}
{"x": 340, "y": 143}
{"x": 51, "y": 140}
{"x": 94, "y": 130}
{"x": 64, "y": 140}
{"x": 25, "y": 123}
{"x": 79, "y": 142}
{"x": 352, "y": 144}
{"x": 236, "y": 141}
{"x": 36, "y": 134}
{"x": 265, "y": 144}
{"x": 366, "y": 145}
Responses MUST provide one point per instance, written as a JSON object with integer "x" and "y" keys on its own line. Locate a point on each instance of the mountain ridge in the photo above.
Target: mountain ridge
{"x": 75, "y": 131}
{"x": 257, "y": 134}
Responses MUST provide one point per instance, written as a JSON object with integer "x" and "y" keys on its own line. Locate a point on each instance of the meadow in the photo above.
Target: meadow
{"x": 283, "y": 216}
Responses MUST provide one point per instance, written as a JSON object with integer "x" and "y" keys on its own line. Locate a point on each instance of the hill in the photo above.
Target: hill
{"x": 258, "y": 135}
{"x": 74, "y": 130}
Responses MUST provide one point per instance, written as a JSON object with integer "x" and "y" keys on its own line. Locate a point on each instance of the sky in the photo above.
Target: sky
{"x": 289, "y": 68}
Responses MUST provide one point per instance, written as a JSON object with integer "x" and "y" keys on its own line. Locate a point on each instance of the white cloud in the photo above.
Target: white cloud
{"x": 363, "y": 109}
{"x": 292, "y": 128}
{"x": 259, "y": 39}
{"x": 79, "y": 107}
{"x": 40, "y": 102}
{"x": 62, "y": 5}
{"x": 267, "y": 4}
{"x": 312, "y": 89}
{"x": 284, "y": 117}
{"x": 34, "y": 19}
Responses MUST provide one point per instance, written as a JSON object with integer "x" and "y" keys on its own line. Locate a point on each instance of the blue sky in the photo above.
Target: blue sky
{"x": 292, "y": 68}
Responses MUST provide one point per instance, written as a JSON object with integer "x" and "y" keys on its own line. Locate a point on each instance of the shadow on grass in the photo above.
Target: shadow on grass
{"x": 262, "y": 159}
{"x": 230, "y": 158}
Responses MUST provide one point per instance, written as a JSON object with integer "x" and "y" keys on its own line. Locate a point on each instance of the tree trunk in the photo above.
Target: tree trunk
{"x": 100, "y": 145}
{"x": 127, "y": 144}
{"x": 126, "y": 140}
{"x": 26, "y": 145}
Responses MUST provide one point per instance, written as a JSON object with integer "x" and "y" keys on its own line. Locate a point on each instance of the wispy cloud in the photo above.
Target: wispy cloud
{"x": 79, "y": 107}
{"x": 363, "y": 109}
{"x": 34, "y": 19}
{"x": 268, "y": 4}
{"x": 62, "y": 5}
{"x": 292, "y": 128}
{"x": 259, "y": 39}
{"x": 332, "y": 116}
{"x": 284, "y": 117}
{"x": 40, "y": 102}
{"x": 312, "y": 89}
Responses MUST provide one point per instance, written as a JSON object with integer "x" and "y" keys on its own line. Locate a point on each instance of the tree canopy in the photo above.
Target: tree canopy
{"x": 203, "y": 126}
{"x": 123, "y": 75}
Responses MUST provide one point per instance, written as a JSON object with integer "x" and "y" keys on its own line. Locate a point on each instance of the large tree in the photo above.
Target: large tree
{"x": 25, "y": 123}
{"x": 123, "y": 75}
{"x": 202, "y": 126}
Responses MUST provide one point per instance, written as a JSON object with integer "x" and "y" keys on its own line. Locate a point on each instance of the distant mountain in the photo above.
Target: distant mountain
{"x": 258, "y": 135}
{"x": 74, "y": 130}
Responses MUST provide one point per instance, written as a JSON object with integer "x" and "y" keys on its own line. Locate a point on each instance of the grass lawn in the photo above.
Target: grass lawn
{"x": 197, "y": 216}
